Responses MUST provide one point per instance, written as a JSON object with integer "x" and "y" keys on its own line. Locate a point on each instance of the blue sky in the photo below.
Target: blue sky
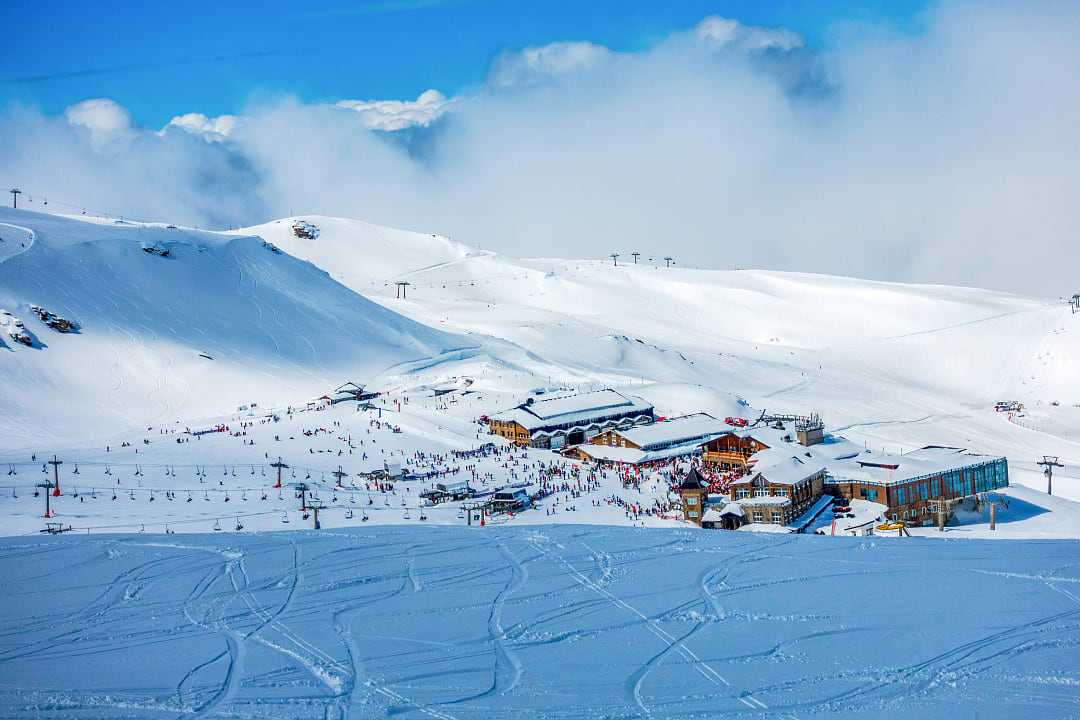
{"x": 163, "y": 59}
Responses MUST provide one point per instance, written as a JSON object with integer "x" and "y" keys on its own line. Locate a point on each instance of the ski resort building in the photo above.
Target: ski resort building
{"x": 913, "y": 485}
{"x": 693, "y": 491}
{"x": 782, "y": 491}
{"x": 663, "y": 440}
{"x": 783, "y": 469}
{"x": 569, "y": 419}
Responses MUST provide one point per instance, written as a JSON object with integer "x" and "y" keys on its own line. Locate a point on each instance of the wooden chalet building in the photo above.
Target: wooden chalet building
{"x": 663, "y": 440}
{"x": 781, "y": 492}
{"x": 732, "y": 451}
{"x": 693, "y": 491}
{"x": 569, "y": 419}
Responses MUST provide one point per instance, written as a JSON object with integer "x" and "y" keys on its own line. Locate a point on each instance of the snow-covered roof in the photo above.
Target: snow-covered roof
{"x": 574, "y": 410}
{"x": 699, "y": 427}
{"x": 551, "y": 408}
{"x": 791, "y": 470}
{"x": 880, "y": 468}
{"x": 634, "y": 456}
{"x": 768, "y": 500}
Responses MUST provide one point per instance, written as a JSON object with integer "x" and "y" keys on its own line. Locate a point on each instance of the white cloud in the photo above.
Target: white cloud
{"x": 209, "y": 128}
{"x": 945, "y": 155}
{"x": 400, "y": 114}
{"x": 105, "y": 119}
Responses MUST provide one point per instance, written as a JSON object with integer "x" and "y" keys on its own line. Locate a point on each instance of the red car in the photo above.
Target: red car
{"x": 736, "y": 421}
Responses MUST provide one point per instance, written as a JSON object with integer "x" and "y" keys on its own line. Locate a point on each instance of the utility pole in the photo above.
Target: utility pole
{"x": 669, "y": 260}
{"x": 15, "y": 193}
{"x": 1049, "y": 462}
{"x": 401, "y": 289}
{"x": 56, "y": 474}
{"x": 636, "y": 254}
{"x": 615, "y": 257}
{"x": 280, "y": 466}
{"x": 339, "y": 473}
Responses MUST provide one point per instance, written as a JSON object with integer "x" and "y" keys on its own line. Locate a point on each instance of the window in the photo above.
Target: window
{"x": 900, "y": 500}
{"x": 742, "y": 493}
{"x": 693, "y": 513}
{"x": 924, "y": 491}
{"x": 691, "y": 501}
{"x": 935, "y": 487}
{"x": 776, "y": 518}
{"x": 780, "y": 492}
{"x": 758, "y": 517}
{"x": 761, "y": 492}
{"x": 870, "y": 495}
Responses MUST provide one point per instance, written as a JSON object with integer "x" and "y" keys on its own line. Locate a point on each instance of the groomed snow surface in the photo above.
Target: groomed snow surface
{"x": 555, "y": 622}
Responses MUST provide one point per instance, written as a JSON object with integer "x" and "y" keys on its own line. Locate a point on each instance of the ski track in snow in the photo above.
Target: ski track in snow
{"x": 463, "y": 624}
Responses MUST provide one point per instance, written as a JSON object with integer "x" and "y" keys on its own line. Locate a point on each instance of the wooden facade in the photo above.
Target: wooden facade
{"x": 613, "y": 438}
{"x": 731, "y": 452}
{"x": 693, "y": 491}
{"x": 512, "y": 431}
{"x": 801, "y": 495}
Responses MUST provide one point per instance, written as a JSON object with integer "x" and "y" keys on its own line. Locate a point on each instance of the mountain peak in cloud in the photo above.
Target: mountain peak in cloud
{"x": 534, "y": 65}
{"x": 718, "y": 32}
{"x": 391, "y": 115}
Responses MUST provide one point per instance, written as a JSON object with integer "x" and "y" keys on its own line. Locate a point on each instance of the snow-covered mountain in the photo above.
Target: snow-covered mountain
{"x": 219, "y": 321}
{"x": 893, "y": 365}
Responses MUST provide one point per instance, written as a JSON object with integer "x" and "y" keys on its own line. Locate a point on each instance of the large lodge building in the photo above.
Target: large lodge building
{"x": 781, "y": 468}
{"x": 570, "y": 419}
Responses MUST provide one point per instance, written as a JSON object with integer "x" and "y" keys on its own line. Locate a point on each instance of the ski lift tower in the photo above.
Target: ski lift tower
{"x": 1074, "y": 303}
{"x": 47, "y": 486}
{"x": 636, "y": 255}
{"x": 302, "y": 488}
{"x": 615, "y": 257}
{"x": 315, "y": 514}
{"x": 339, "y": 473}
{"x": 15, "y": 193}
{"x": 401, "y": 285}
{"x": 1049, "y": 462}
{"x": 280, "y": 466}
{"x": 669, "y": 260}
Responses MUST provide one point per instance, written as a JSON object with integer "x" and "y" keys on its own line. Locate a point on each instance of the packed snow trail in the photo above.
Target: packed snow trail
{"x": 541, "y": 622}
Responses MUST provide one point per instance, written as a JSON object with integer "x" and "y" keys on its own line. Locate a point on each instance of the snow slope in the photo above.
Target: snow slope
{"x": 359, "y": 254}
{"x": 557, "y": 622}
{"x": 889, "y": 365}
{"x": 277, "y": 329}
{"x": 894, "y": 365}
